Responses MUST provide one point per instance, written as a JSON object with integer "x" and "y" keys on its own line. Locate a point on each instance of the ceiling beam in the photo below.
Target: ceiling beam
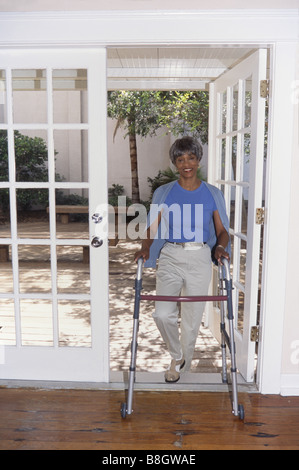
{"x": 157, "y": 85}
{"x": 167, "y": 72}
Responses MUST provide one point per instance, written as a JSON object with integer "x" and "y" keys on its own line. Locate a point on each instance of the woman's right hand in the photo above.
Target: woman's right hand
{"x": 143, "y": 253}
{"x": 145, "y": 248}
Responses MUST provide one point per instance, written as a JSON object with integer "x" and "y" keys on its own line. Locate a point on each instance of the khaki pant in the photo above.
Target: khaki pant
{"x": 186, "y": 272}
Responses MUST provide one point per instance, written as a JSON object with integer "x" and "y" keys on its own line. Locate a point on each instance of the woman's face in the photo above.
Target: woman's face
{"x": 187, "y": 165}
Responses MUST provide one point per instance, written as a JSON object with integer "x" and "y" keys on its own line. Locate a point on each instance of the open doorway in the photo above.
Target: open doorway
{"x": 189, "y": 68}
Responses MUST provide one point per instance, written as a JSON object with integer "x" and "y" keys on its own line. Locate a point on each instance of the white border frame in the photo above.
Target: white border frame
{"x": 277, "y": 29}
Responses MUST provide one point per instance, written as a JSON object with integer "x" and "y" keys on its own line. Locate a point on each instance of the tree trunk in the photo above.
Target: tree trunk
{"x": 134, "y": 169}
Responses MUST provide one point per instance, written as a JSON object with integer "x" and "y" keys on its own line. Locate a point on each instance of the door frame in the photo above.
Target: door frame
{"x": 277, "y": 206}
{"x": 275, "y": 29}
{"x": 254, "y": 66}
{"x": 65, "y": 363}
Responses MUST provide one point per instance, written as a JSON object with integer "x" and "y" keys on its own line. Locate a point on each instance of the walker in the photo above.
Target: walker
{"x": 225, "y": 284}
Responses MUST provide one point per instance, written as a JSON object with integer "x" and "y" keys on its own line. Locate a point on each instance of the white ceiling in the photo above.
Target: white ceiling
{"x": 152, "y": 68}
{"x": 169, "y": 67}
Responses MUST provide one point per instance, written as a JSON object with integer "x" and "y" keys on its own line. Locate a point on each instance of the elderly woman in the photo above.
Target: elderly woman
{"x": 187, "y": 222}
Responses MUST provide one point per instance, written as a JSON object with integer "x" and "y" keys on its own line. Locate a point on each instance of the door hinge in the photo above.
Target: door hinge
{"x": 260, "y": 216}
{"x": 254, "y": 334}
{"x": 264, "y": 88}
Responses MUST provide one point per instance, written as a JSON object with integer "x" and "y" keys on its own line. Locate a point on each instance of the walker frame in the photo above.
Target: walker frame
{"x": 227, "y": 339}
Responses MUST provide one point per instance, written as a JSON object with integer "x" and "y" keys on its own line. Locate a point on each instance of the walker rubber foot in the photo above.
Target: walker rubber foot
{"x": 123, "y": 410}
{"x": 241, "y": 412}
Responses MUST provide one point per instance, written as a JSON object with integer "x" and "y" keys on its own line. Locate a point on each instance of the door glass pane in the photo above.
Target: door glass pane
{"x": 232, "y": 213}
{"x": 73, "y": 274}
{"x": 7, "y": 321}
{"x": 74, "y": 323}
{"x": 235, "y": 107}
{"x": 33, "y": 217}
{"x": 34, "y": 269}
{"x": 37, "y": 322}
{"x": 234, "y": 159}
{"x": 70, "y": 96}
{"x": 223, "y": 158}
{"x": 223, "y": 112}
{"x": 3, "y": 109}
{"x": 72, "y": 213}
{"x": 71, "y": 155}
{"x": 248, "y": 99}
{"x": 243, "y": 255}
{"x": 239, "y": 315}
{"x": 245, "y": 176}
{"x": 246, "y": 157}
{"x": 4, "y": 214}
{"x": 233, "y": 241}
{"x": 29, "y": 96}
{"x": 4, "y": 176}
{"x": 244, "y": 216}
{"x": 6, "y": 277}
{"x": 31, "y": 156}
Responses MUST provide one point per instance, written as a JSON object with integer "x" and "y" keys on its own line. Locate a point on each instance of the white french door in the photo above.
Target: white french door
{"x": 54, "y": 285}
{"x": 236, "y": 160}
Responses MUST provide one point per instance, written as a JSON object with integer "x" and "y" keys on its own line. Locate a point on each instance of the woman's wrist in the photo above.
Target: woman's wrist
{"x": 220, "y": 246}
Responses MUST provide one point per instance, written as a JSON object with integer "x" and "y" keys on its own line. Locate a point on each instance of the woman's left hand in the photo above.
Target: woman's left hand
{"x": 221, "y": 253}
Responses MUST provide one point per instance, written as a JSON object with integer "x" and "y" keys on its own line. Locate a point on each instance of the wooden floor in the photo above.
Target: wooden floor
{"x": 178, "y": 421}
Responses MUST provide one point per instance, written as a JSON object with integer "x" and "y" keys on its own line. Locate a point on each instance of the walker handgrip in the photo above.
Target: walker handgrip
{"x": 226, "y": 267}
{"x": 139, "y": 268}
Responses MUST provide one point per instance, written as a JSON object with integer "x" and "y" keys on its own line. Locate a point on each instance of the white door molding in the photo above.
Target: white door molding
{"x": 110, "y": 28}
{"x": 277, "y": 206}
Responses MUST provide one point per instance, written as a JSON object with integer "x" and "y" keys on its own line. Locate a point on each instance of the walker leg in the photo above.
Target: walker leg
{"x": 132, "y": 367}
{"x": 233, "y": 370}
{"x": 222, "y": 330}
{"x": 126, "y": 408}
{"x": 238, "y": 410}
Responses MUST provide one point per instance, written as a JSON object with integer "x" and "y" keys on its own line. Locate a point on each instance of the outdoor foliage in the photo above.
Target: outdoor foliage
{"x": 31, "y": 163}
{"x": 114, "y": 192}
{"x": 31, "y": 156}
{"x": 187, "y": 113}
{"x": 144, "y": 112}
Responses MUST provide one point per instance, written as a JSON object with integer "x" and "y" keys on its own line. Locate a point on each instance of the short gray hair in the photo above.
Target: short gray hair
{"x": 185, "y": 145}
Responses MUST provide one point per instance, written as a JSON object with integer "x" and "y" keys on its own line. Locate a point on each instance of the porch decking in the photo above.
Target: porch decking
{"x": 152, "y": 354}
{"x": 175, "y": 421}
{"x": 74, "y": 323}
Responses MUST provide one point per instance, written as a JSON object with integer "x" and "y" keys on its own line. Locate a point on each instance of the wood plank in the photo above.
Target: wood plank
{"x": 4, "y": 253}
{"x": 60, "y": 209}
{"x": 68, "y": 209}
{"x": 178, "y": 421}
